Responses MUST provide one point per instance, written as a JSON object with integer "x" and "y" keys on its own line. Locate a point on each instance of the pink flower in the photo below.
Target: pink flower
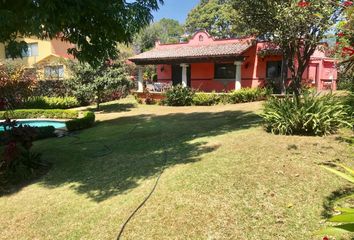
{"x": 347, "y": 3}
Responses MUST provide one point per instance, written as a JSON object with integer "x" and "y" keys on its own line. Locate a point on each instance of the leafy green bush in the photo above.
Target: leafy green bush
{"x": 39, "y": 113}
{"x": 247, "y": 95}
{"x": 18, "y": 161}
{"x": 346, "y": 81}
{"x": 51, "y": 103}
{"x": 310, "y": 115}
{"x": 51, "y": 88}
{"x": 86, "y": 121}
{"x": 101, "y": 83}
{"x": 179, "y": 96}
{"x": 206, "y": 99}
{"x": 45, "y": 132}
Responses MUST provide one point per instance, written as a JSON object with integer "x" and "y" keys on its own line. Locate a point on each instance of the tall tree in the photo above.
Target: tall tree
{"x": 166, "y": 31}
{"x": 95, "y": 26}
{"x": 218, "y": 17}
{"x": 297, "y": 27}
{"x": 345, "y": 43}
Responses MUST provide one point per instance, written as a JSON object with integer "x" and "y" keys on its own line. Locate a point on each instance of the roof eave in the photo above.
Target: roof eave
{"x": 194, "y": 59}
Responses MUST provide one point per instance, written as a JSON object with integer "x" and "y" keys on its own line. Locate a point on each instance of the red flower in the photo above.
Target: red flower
{"x": 348, "y": 50}
{"x": 325, "y": 238}
{"x": 303, "y": 3}
{"x": 340, "y": 34}
{"x": 347, "y": 3}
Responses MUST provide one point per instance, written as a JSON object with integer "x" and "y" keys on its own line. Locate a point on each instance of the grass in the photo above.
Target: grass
{"x": 225, "y": 178}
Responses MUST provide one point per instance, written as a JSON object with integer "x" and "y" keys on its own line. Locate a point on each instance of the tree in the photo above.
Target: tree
{"x": 16, "y": 84}
{"x": 344, "y": 49}
{"x": 345, "y": 43}
{"x": 94, "y": 26}
{"x": 166, "y": 31}
{"x": 90, "y": 82}
{"x": 297, "y": 27}
{"x": 218, "y": 17}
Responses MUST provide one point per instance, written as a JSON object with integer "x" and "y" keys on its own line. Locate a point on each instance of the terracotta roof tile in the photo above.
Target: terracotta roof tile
{"x": 184, "y": 51}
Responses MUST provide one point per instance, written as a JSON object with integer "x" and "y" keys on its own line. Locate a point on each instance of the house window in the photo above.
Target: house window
{"x": 54, "y": 72}
{"x": 225, "y": 71}
{"x": 31, "y": 51}
{"x": 274, "y": 69}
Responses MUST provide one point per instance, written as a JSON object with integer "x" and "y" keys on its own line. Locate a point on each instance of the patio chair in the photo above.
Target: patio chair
{"x": 150, "y": 87}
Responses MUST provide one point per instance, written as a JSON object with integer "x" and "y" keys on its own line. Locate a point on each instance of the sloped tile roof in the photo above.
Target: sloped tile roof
{"x": 185, "y": 51}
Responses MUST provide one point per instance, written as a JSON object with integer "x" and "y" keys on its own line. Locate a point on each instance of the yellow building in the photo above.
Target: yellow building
{"x": 46, "y": 56}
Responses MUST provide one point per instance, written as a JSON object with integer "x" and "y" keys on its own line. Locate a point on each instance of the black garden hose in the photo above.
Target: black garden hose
{"x": 149, "y": 195}
{"x": 78, "y": 141}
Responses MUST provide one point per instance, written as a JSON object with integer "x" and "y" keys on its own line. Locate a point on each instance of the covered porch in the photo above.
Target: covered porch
{"x": 203, "y": 63}
{"x": 202, "y": 74}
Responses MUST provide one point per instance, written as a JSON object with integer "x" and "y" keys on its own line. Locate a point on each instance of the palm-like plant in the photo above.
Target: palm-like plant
{"x": 346, "y": 216}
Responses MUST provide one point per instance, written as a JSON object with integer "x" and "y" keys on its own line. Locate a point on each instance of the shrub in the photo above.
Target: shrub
{"x": 247, "y": 95}
{"x": 45, "y": 132}
{"x": 18, "y": 162}
{"x": 346, "y": 82}
{"x": 179, "y": 96}
{"x": 310, "y": 115}
{"x": 51, "y": 103}
{"x": 16, "y": 84}
{"x": 39, "y": 113}
{"x": 51, "y": 88}
{"x": 99, "y": 83}
{"x": 86, "y": 121}
{"x": 206, "y": 99}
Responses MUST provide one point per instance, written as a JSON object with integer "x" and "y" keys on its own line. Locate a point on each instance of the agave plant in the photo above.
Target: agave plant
{"x": 346, "y": 216}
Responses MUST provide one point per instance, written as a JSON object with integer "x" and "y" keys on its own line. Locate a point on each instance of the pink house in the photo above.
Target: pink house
{"x": 209, "y": 64}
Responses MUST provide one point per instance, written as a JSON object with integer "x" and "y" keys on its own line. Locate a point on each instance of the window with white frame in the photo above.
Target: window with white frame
{"x": 54, "y": 72}
{"x": 31, "y": 51}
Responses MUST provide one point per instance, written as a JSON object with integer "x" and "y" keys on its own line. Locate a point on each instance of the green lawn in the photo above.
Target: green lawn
{"x": 224, "y": 178}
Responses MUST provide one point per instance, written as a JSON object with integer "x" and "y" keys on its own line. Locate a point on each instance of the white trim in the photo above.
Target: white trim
{"x": 140, "y": 79}
{"x": 238, "y": 75}
{"x": 184, "y": 74}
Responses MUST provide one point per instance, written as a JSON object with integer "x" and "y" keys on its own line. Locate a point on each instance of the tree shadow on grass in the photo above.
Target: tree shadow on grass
{"x": 115, "y": 107}
{"x": 115, "y": 156}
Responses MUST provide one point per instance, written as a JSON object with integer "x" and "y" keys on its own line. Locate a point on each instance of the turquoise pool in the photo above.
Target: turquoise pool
{"x": 40, "y": 123}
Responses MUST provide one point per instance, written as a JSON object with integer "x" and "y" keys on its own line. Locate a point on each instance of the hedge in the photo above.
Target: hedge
{"x": 240, "y": 96}
{"x": 40, "y": 113}
{"x": 86, "y": 121}
{"x": 51, "y": 103}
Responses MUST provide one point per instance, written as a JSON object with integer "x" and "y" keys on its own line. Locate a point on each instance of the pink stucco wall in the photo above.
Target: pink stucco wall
{"x": 321, "y": 70}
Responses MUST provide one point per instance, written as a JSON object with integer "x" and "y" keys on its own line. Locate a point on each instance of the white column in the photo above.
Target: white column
{"x": 238, "y": 75}
{"x": 184, "y": 75}
{"x": 140, "y": 79}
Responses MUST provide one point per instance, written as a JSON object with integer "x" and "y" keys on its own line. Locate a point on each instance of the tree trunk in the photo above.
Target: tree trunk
{"x": 297, "y": 87}
{"x": 284, "y": 74}
{"x": 98, "y": 101}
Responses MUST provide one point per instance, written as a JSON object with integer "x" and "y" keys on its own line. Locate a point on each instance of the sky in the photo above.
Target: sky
{"x": 175, "y": 9}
